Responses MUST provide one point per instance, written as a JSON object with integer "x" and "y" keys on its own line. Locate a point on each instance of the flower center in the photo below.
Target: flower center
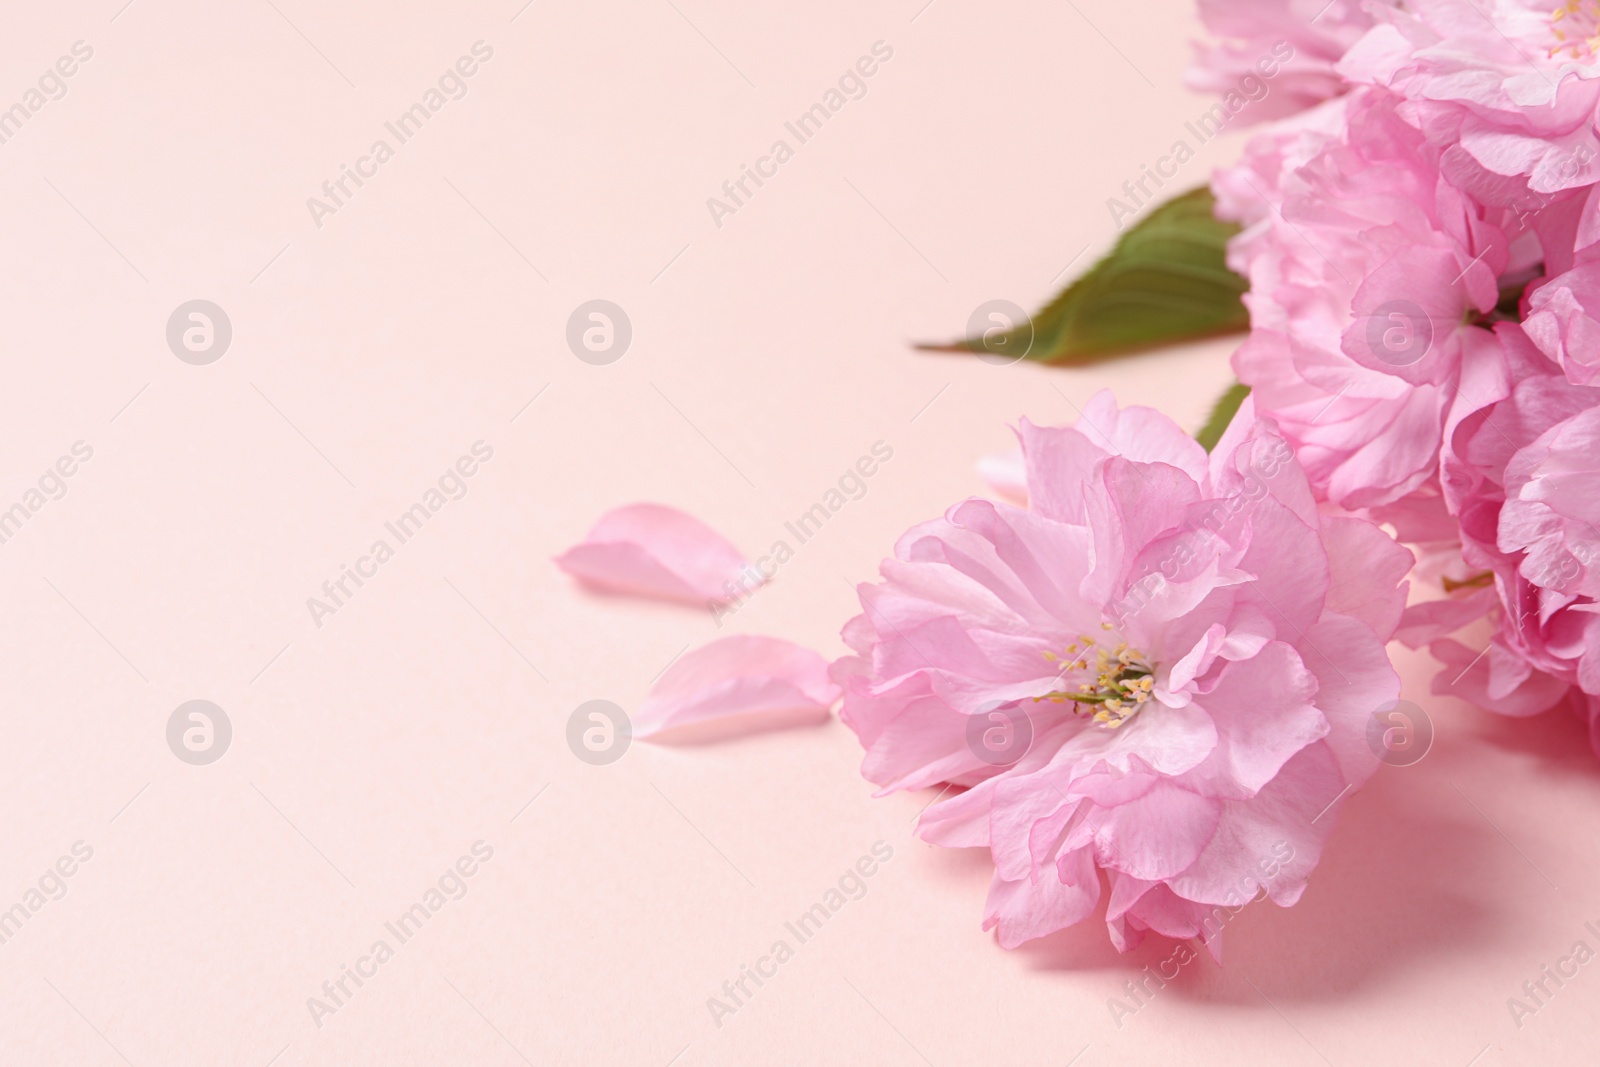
{"x": 1576, "y": 28}
{"x": 1111, "y": 682}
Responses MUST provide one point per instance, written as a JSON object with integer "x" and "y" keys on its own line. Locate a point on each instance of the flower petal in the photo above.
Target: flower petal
{"x": 1263, "y": 712}
{"x": 1024, "y": 910}
{"x": 1470, "y": 676}
{"x": 1273, "y": 840}
{"x": 656, "y": 551}
{"x": 1429, "y": 620}
{"x": 1141, "y": 434}
{"x": 1155, "y": 835}
{"x": 743, "y": 675}
{"x": 1367, "y": 570}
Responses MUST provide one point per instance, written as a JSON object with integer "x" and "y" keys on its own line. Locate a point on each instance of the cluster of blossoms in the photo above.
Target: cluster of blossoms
{"x": 1423, "y": 250}
{"x": 1148, "y": 691}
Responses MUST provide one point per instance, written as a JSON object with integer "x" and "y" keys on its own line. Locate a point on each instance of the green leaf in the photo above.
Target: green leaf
{"x": 1165, "y": 281}
{"x": 1227, "y": 406}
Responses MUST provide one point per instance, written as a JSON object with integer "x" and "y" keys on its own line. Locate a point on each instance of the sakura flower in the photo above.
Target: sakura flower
{"x": 1507, "y": 89}
{"x": 1564, "y": 321}
{"x": 1552, "y": 509}
{"x": 1523, "y": 475}
{"x": 1295, "y": 43}
{"x": 1368, "y": 273}
{"x": 1190, "y": 650}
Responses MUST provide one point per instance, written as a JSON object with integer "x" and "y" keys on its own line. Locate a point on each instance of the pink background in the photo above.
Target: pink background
{"x": 768, "y": 354}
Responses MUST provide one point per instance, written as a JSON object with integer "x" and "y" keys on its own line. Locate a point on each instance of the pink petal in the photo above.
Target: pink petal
{"x": 1354, "y": 680}
{"x": 656, "y": 551}
{"x": 1272, "y": 840}
{"x": 1263, "y": 713}
{"x": 1367, "y": 569}
{"x": 1141, "y": 434}
{"x": 962, "y": 821}
{"x": 1060, "y": 462}
{"x": 1199, "y": 658}
{"x": 740, "y": 675}
{"x": 1430, "y": 620}
{"x": 1471, "y": 676}
{"x": 1020, "y": 808}
{"x": 1170, "y": 742}
{"x": 926, "y": 743}
{"x": 1157, "y": 835}
{"x": 1168, "y": 914}
{"x": 1025, "y": 909}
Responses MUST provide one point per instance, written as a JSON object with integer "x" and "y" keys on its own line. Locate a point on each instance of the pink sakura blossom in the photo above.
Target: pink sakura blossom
{"x": 1507, "y": 89}
{"x": 1523, "y": 476}
{"x": 1564, "y": 321}
{"x": 1295, "y": 43}
{"x": 1151, "y": 687}
{"x": 1451, "y": 191}
{"x": 1367, "y": 273}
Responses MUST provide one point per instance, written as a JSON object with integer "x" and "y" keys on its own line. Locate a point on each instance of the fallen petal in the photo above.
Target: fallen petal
{"x": 766, "y": 680}
{"x": 656, "y": 551}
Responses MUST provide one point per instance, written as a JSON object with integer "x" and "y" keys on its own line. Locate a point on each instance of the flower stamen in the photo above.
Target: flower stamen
{"x": 1576, "y": 29}
{"x": 1122, "y": 684}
